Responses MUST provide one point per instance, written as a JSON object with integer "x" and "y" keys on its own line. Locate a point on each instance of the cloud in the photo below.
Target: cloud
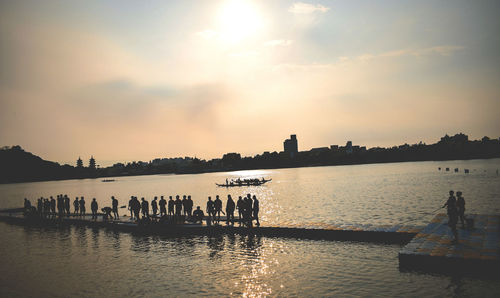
{"x": 278, "y": 43}
{"x": 244, "y": 54}
{"x": 208, "y": 34}
{"x": 306, "y": 8}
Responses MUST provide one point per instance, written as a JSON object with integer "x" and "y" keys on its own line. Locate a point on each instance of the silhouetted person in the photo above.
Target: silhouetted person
{"x": 461, "y": 208}
{"x": 53, "y": 206}
{"x": 66, "y": 205}
{"x": 178, "y": 206}
{"x": 39, "y": 206}
{"x": 184, "y": 204}
{"x": 163, "y": 209}
{"x": 76, "y": 204}
{"x": 217, "y": 207}
{"x": 145, "y": 208}
{"x": 46, "y": 207}
{"x": 60, "y": 205}
{"x": 451, "y": 208}
{"x": 114, "y": 203}
{"x": 130, "y": 203}
{"x": 171, "y": 204}
{"x": 136, "y": 207}
{"x": 82, "y": 206}
{"x": 27, "y": 204}
{"x": 247, "y": 210}
{"x": 94, "y": 207}
{"x": 240, "y": 205}
{"x": 256, "y": 210}
{"x": 154, "y": 205}
{"x": 230, "y": 206}
{"x": 198, "y": 215}
{"x": 189, "y": 207}
{"x": 210, "y": 208}
{"x": 107, "y": 213}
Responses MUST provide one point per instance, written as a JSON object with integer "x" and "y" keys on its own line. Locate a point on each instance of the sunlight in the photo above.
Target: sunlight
{"x": 237, "y": 20}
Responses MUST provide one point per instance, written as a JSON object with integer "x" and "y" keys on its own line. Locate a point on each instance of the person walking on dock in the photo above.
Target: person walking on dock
{"x": 256, "y": 210}
{"x": 145, "y": 208}
{"x": 82, "y": 206}
{"x": 154, "y": 206}
{"x": 94, "y": 207}
{"x": 171, "y": 204}
{"x": 76, "y": 204}
{"x": 114, "y": 204}
{"x": 163, "y": 209}
{"x": 230, "y": 210}
{"x": 461, "y": 208}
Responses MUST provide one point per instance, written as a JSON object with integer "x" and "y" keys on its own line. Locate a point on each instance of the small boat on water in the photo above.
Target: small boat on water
{"x": 108, "y": 180}
{"x": 245, "y": 182}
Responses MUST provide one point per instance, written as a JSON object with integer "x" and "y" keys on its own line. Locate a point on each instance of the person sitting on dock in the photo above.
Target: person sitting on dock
{"x": 94, "y": 207}
{"x": 82, "y": 206}
{"x": 163, "y": 204}
{"x": 154, "y": 206}
{"x": 144, "y": 208}
{"x": 171, "y": 204}
{"x": 198, "y": 215}
{"x": 256, "y": 210}
{"x": 217, "y": 207}
{"x": 230, "y": 210}
{"x": 114, "y": 203}
{"x": 461, "y": 208}
{"x": 76, "y": 204}
{"x": 107, "y": 213}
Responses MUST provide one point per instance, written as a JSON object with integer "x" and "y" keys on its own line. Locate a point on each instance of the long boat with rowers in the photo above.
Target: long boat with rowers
{"x": 244, "y": 182}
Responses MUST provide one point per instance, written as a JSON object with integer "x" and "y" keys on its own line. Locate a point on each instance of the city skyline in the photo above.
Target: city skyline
{"x": 123, "y": 80}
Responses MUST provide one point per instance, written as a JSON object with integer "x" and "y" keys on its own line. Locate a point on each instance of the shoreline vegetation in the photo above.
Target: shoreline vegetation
{"x": 21, "y": 166}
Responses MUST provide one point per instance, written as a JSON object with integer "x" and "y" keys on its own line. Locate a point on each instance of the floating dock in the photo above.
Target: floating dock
{"x": 477, "y": 250}
{"x": 363, "y": 233}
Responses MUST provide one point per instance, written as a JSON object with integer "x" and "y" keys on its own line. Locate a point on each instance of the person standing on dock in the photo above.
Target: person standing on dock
{"x": 230, "y": 210}
{"x": 94, "y": 207}
{"x": 82, "y": 206}
{"x": 240, "y": 205}
{"x": 178, "y": 206}
{"x": 256, "y": 210}
{"x": 66, "y": 205}
{"x": 76, "y": 204}
{"x": 461, "y": 208}
{"x": 130, "y": 204}
{"x": 189, "y": 206}
{"x": 218, "y": 207}
{"x": 210, "y": 208}
{"x": 136, "y": 207}
{"x": 114, "y": 204}
{"x": 144, "y": 208}
{"x": 247, "y": 210}
{"x": 451, "y": 208}
{"x": 184, "y": 204}
{"x": 154, "y": 206}
{"x": 60, "y": 205}
{"x": 53, "y": 206}
{"x": 163, "y": 209}
{"x": 171, "y": 205}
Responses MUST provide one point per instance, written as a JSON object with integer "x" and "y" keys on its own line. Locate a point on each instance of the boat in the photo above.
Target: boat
{"x": 244, "y": 183}
{"x": 108, "y": 180}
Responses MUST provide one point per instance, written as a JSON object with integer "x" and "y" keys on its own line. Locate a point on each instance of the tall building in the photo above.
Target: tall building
{"x": 92, "y": 163}
{"x": 79, "y": 163}
{"x": 290, "y": 146}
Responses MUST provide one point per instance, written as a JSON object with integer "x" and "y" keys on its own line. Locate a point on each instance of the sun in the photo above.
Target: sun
{"x": 238, "y": 20}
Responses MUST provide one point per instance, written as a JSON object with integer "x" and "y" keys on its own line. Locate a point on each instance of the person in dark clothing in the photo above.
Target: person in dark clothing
{"x": 163, "y": 209}
{"x": 76, "y": 204}
{"x": 94, "y": 207}
{"x": 27, "y": 205}
{"x": 145, "y": 208}
{"x": 39, "y": 206}
{"x": 189, "y": 206}
{"x": 451, "y": 208}
{"x": 66, "y": 205}
{"x": 198, "y": 215}
{"x": 130, "y": 204}
{"x": 230, "y": 206}
{"x": 60, "y": 205}
{"x": 217, "y": 207}
{"x": 256, "y": 210}
{"x": 82, "y": 206}
{"x": 461, "y": 208}
{"x": 178, "y": 206}
{"x": 154, "y": 206}
{"x": 184, "y": 205}
{"x": 114, "y": 204}
{"x": 136, "y": 207}
{"x": 53, "y": 206}
{"x": 210, "y": 209}
{"x": 247, "y": 211}
{"x": 171, "y": 204}
{"x": 240, "y": 205}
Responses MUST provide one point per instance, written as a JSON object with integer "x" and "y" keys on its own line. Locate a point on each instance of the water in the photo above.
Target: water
{"x": 78, "y": 261}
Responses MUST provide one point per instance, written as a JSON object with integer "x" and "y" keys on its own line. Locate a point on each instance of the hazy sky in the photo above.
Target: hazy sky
{"x": 135, "y": 80}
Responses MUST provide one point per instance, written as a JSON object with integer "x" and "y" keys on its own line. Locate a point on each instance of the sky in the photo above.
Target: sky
{"x": 136, "y": 80}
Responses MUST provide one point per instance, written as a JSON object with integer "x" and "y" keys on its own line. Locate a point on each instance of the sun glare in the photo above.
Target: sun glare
{"x": 237, "y": 20}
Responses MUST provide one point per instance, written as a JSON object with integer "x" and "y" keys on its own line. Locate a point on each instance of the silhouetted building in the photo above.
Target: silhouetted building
{"x": 92, "y": 163}
{"x": 348, "y": 147}
{"x": 79, "y": 163}
{"x": 290, "y": 146}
